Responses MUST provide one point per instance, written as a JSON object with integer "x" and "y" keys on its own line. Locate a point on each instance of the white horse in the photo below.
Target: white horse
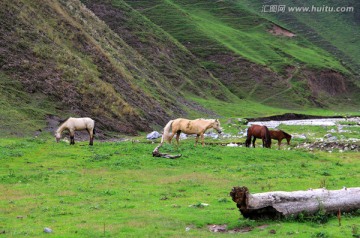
{"x": 197, "y": 126}
{"x": 76, "y": 124}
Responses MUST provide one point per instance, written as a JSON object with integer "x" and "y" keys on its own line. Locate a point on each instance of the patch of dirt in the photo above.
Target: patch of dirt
{"x": 280, "y": 31}
{"x": 328, "y": 81}
{"x": 246, "y": 79}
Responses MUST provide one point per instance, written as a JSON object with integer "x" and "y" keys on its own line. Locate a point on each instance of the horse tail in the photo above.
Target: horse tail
{"x": 267, "y": 138}
{"x": 166, "y": 134}
{"x": 248, "y": 137}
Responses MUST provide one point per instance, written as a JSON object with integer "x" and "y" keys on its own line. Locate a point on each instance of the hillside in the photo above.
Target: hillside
{"x": 133, "y": 65}
{"x": 63, "y": 52}
{"x": 235, "y": 41}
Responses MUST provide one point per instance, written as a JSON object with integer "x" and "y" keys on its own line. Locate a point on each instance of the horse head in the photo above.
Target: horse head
{"x": 288, "y": 140}
{"x": 58, "y": 136}
{"x": 287, "y": 137}
{"x": 216, "y": 126}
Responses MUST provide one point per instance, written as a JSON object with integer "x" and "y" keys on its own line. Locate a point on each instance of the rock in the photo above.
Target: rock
{"x": 332, "y": 138}
{"x": 153, "y": 135}
{"x": 302, "y": 136}
{"x": 242, "y": 121}
{"x": 212, "y": 135}
{"x": 328, "y": 135}
{"x": 232, "y": 145}
{"x": 182, "y": 136}
{"x": 47, "y": 230}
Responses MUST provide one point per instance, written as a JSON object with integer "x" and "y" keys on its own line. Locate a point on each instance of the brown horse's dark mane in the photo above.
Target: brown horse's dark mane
{"x": 286, "y": 134}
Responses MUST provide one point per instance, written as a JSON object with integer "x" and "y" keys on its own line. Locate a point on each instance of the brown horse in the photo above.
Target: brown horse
{"x": 257, "y": 131}
{"x": 198, "y": 127}
{"x": 279, "y": 135}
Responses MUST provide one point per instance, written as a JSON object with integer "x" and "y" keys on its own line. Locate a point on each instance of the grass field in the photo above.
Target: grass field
{"x": 117, "y": 189}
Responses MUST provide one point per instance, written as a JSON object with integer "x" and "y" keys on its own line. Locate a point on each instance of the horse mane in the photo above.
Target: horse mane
{"x": 286, "y": 134}
{"x": 61, "y": 121}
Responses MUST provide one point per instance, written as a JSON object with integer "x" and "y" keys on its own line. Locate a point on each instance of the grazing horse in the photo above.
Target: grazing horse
{"x": 279, "y": 135}
{"x": 197, "y": 126}
{"x": 257, "y": 131}
{"x": 76, "y": 124}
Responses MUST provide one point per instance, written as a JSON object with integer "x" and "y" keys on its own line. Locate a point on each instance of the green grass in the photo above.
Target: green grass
{"x": 316, "y": 26}
{"x": 22, "y": 113}
{"x": 248, "y": 109}
{"x": 209, "y": 27}
{"x": 117, "y": 189}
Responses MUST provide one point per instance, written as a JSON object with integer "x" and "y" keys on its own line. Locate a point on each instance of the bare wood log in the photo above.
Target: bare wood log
{"x": 285, "y": 204}
{"x": 156, "y": 153}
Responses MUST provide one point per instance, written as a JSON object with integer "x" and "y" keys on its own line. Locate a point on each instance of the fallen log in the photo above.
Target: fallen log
{"x": 275, "y": 205}
{"x": 156, "y": 153}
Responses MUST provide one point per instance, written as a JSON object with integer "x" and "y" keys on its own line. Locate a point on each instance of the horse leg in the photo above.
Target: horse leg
{"x": 279, "y": 143}
{"x": 177, "y": 137}
{"x": 254, "y": 141}
{"x": 91, "y": 134}
{"x": 202, "y": 139}
{"x": 196, "y": 139}
{"x": 72, "y": 137}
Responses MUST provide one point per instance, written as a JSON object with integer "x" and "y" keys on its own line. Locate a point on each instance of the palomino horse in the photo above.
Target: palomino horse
{"x": 279, "y": 135}
{"x": 77, "y": 124}
{"x": 257, "y": 131}
{"x": 197, "y": 126}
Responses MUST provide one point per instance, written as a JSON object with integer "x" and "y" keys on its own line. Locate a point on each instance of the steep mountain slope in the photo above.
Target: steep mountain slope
{"x": 238, "y": 45}
{"x": 61, "y": 50}
{"x": 133, "y": 65}
{"x": 336, "y": 32}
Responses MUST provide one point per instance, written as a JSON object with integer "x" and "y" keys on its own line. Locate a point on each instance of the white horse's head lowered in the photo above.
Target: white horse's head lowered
{"x": 57, "y": 136}
{"x": 76, "y": 124}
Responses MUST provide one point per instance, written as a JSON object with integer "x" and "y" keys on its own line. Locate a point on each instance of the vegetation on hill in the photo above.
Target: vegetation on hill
{"x": 133, "y": 65}
{"x": 234, "y": 40}
{"x": 61, "y": 50}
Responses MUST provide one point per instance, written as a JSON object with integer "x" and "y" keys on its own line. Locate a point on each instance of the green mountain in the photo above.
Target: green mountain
{"x": 240, "y": 45}
{"x": 133, "y": 65}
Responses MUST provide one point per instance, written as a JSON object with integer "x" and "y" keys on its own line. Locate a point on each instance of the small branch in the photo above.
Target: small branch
{"x": 156, "y": 153}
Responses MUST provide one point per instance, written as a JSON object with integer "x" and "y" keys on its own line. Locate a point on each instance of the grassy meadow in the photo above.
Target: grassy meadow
{"x": 117, "y": 189}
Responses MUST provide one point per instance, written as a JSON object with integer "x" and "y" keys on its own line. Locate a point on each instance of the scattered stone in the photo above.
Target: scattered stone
{"x": 153, "y": 135}
{"x": 212, "y": 135}
{"x": 232, "y": 145}
{"x": 47, "y": 230}
{"x": 328, "y": 135}
{"x": 302, "y": 136}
